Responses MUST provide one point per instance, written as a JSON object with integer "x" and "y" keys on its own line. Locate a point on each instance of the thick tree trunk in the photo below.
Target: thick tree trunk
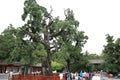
{"x": 49, "y": 68}
{"x": 47, "y": 48}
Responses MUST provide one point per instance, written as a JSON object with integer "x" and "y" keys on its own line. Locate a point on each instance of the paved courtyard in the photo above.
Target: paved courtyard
{"x": 105, "y": 78}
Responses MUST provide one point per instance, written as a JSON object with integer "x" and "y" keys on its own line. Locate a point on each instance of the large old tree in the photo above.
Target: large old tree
{"x": 42, "y": 36}
{"x": 40, "y": 27}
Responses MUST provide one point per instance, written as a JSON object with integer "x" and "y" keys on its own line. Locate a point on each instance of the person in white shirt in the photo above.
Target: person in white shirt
{"x": 96, "y": 77}
{"x": 61, "y": 76}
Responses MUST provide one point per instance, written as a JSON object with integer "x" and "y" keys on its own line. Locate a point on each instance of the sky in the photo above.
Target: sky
{"x": 97, "y": 17}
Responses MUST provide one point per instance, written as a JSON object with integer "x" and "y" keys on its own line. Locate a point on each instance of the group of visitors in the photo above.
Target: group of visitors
{"x": 96, "y": 75}
{"x": 78, "y": 76}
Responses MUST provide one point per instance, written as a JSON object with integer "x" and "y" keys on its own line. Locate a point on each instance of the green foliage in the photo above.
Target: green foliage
{"x": 57, "y": 66}
{"x": 111, "y": 55}
{"x": 7, "y": 43}
{"x": 82, "y": 64}
{"x": 94, "y": 56}
{"x": 71, "y": 41}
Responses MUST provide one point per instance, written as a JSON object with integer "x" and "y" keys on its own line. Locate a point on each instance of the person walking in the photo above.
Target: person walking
{"x": 81, "y": 75}
{"x": 68, "y": 76}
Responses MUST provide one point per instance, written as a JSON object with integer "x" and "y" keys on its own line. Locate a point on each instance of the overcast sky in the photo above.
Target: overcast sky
{"x": 96, "y": 17}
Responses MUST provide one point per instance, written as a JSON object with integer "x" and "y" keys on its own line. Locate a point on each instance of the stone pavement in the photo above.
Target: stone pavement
{"x": 105, "y": 78}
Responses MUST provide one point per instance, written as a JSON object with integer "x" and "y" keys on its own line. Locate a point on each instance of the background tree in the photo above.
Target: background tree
{"x": 7, "y": 44}
{"x": 94, "y": 56}
{"x": 111, "y": 55}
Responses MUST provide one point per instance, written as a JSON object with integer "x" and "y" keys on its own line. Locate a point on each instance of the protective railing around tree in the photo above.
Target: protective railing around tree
{"x": 36, "y": 77}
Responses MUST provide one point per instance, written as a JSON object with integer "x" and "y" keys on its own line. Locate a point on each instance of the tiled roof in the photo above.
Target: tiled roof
{"x": 96, "y": 61}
